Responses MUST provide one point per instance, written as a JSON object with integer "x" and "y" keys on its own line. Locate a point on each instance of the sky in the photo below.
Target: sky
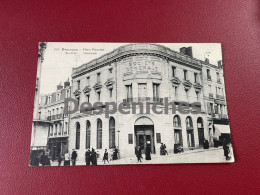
{"x": 60, "y": 58}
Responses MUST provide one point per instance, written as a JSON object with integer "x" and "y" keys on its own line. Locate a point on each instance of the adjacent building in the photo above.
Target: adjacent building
{"x": 52, "y": 109}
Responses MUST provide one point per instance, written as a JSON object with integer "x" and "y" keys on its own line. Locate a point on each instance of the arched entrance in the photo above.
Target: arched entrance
{"x": 144, "y": 133}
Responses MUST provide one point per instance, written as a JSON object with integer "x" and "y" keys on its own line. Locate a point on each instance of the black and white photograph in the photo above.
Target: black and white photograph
{"x": 129, "y": 103}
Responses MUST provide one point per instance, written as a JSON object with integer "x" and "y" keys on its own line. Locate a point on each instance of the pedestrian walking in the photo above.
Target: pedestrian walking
{"x": 74, "y": 156}
{"x": 115, "y": 154}
{"x": 88, "y": 156}
{"x": 105, "y": 157}
{"x": 226, "y": 149}
{"x": 66, "y": 159}
{"x": 148, "y": 152}
{"x": 164, "y": 148}
{"x": 161, "y": 149}
{"x": 93, "y": 157}
{"x": 59, "y": 160}
{"x": 139, "y": 154}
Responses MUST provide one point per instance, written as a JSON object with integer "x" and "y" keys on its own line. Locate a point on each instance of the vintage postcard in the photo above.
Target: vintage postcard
{"x": 130, "y": 103}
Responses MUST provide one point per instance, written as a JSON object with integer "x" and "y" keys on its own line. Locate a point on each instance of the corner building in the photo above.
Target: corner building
{"x": 145, "y": 73}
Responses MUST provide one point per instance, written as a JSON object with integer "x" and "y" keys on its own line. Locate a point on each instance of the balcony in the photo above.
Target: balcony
{"x": 55, "y": 117}
{"x": 143, "y": 99}
{"x": 221, "y": 97}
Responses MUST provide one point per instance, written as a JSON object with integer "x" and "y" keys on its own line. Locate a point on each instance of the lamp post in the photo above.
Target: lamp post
{"x": 118, "y": 143}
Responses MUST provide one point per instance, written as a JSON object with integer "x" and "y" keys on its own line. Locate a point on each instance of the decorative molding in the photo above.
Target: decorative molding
{"x": 109, "y": 83}
{"x": 77, "y": 93}
{"x": 175, "y": 81}
{"x": 97, "y": 87}
{"x": 187, "y": 84}
{"x": 197, "y": 87}
{"x": 86, "y": 90}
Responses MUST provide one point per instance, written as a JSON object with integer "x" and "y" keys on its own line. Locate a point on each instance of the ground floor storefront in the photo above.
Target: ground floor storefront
{"x": 57, "y": 146}
{"x": 126, "y": 132}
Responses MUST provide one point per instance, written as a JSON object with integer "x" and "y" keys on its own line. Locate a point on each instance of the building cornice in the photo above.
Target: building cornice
{"x": 136, "y": 49}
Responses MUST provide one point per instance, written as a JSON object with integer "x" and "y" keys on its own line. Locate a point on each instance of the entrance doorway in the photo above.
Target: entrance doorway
{"x": 144, "y": 133}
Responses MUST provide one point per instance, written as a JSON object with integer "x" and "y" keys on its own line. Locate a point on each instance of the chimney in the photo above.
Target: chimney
{"x": 67, "y": 83}
{"x": 189, "y": 51}
{"x": 183, "y": 50}
{"x": 220, "y": 63}
{"x": 186, "y": 51}
{"x": 59, "y": 86}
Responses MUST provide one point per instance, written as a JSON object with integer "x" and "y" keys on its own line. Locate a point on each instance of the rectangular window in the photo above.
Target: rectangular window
{"x": 173, "y": 71}
{"x": 78, "y": 83}
{"x": 129, "y": 96}
{"x": 185, "y": 74}
{"x": 98, "y": 77}
{"x": 218, "y": 78}
{"x": 88, "y": 96}
{"x": 195, "y": 77}
{"x": 197, "y": 95}
{"x": 156, "y": 92}
{"x": 110, "y": 72}
{"x": 130, "y": 138}
{"x": 176, "y": 92}
{"x": 66, "y": 128}
{"x": 98, "y": 95}
{"x": 158, "y": 138}
{"x": 142, "y": 90}
{"x": 111, "y": 93}
{"x": 78, "y": 98}
{"x": 208, "y": 74}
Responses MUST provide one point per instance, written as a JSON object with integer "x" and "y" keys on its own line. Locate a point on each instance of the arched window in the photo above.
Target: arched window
{"x": 111, "y": 132}
{"x": 77, "y": 135}
{"x": 99, "y": 134}
{"x": 200, "y": 131}
{"x": 177, "y": 130}
{"x": 88, "y": 127}
{"x": 200, "y": 122}
{"x": 189, "y": 122}
{"x": 190, "y": 132}
{"x": 176, "y": 121}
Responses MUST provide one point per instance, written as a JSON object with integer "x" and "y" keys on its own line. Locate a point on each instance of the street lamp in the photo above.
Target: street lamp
{"x": 118, "y": 143}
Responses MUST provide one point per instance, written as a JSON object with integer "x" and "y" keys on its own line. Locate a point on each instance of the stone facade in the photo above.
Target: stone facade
{"x": 144, "y": 73}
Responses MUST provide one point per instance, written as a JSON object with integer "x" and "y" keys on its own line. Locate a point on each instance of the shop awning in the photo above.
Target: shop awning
{"x": 222, "y": 128}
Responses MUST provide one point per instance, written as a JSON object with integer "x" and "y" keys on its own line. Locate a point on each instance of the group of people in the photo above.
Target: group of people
{"x": 138, "y": 152}
{"x": 163, "y": 150}
{"x": 91, "y": 157}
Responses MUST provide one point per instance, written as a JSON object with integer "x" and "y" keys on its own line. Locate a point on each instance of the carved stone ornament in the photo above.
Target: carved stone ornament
{"x": 175, "y": 81}
{"x": 187, "y": 84}
{"x": 197, "y": 86}
{"x": 86, "y": 90}
{"x": 109, "y": 83}
{"x": 77, "y": 93}
{"x": 97, "y": 87}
